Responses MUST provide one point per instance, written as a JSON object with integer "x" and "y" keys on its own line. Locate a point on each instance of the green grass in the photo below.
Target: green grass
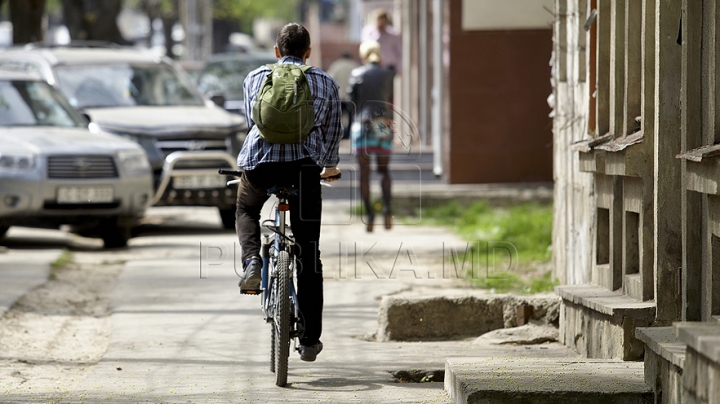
{"x": 527, "y": 227}
{"x": 61, "y": 262}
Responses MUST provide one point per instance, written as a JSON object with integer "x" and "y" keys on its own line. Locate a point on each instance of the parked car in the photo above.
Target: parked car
{"x": 148, "y": 99}
{"x": 224, "y": 74}
{"x": 54, "y": 171}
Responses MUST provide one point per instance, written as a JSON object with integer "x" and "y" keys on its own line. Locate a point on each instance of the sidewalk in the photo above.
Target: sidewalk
{"x": 21, "y": 271}
{"x": 181, "y": 338}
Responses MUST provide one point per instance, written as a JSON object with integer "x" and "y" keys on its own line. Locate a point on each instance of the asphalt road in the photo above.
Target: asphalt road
{"x": 181, "y": 333}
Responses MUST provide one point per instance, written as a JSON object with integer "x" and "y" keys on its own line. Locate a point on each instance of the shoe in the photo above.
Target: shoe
{"x": 252, "y": 278}
{"x": 370, "y": 221}
{"x": 309, "y": 353}
{"x": 388, "y": 221}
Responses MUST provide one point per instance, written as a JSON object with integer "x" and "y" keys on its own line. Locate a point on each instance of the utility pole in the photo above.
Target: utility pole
{"x": 196, "y": 18}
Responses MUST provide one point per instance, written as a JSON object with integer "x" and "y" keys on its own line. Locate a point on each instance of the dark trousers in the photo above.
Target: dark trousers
{"x": 305, "y": 215}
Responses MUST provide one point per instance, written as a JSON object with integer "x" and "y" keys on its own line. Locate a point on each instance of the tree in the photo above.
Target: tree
{"x": 167, "y": 11}
{"x": 245, "y": 11}
{"x": 26, "y": 18}
{"x": 93, "y": 20}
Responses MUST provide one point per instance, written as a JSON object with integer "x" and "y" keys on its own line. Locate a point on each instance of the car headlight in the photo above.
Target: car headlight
{"x": 17, "y": 162}
{"x": 134, "y": 161}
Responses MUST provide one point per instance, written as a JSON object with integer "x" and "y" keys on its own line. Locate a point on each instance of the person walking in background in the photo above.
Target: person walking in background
{"x": 340, "y": 71}
{"x": 381, "y": 31}
{"x": 371, "y": 90}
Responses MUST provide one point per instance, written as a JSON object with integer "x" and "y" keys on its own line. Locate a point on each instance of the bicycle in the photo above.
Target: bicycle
{"x": 278, "y": 297}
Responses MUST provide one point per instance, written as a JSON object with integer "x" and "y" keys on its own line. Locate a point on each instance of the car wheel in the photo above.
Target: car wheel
{"x": 115, "y": 236}
{"x": 228, "y": 218}
{"x": 3, "y": 230}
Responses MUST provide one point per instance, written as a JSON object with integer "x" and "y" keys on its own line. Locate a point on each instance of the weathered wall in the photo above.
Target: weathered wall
{"x": 701, "y": 370}
{"x": 596, "y": 335}
{"x": 702, "y": 379}
{"x": 664, "y": 377}
{"x": 501, "y": 131}
{"x": 574, "y": 214}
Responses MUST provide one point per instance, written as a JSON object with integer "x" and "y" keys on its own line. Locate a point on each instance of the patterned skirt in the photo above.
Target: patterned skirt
{"x": 372, "y": 136}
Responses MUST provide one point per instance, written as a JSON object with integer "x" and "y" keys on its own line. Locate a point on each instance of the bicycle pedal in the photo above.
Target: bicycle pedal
{"x": 249, "y": 292}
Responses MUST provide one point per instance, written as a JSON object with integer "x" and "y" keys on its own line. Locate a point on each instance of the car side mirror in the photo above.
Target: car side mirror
{"x": 218, "y": 99}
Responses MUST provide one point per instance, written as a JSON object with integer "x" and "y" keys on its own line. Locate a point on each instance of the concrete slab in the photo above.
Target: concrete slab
{"x": 528, "y": 334}
{"x": 663, "y": 342}
{"x": 545, "y": 380}
{"x": 605, "y": 301}
{"x": 436, "y": 315}
{"x": 703, "y": 337}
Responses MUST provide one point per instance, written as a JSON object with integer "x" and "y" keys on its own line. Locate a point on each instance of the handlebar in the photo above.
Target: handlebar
{"x": 228, "y": 171}
{"x": 335, "y": 177}
{"x": 237, "y": 173}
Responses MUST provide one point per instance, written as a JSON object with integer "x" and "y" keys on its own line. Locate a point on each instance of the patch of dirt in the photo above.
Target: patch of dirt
{"x": 418, "y": 376}
{"x": 54, "y": 333}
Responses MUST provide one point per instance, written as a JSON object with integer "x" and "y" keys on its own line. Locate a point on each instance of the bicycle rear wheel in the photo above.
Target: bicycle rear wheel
{"x": 272, "y": 348}
{"x": 282, "y": 319}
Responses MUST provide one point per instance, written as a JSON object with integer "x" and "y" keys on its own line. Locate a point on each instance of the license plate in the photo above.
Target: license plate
{"x": 199, "y": 181}
{"x": 85, "y": 194}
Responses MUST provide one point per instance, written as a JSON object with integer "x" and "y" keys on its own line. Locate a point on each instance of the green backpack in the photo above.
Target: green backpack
{"x": 283, "y": 110}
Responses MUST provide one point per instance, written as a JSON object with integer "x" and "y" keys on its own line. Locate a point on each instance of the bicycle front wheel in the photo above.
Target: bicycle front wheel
{"x": 282, "y": 319}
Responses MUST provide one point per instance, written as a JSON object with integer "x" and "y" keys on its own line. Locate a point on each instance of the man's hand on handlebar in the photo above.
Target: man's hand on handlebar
{"x": 330, "y": 174}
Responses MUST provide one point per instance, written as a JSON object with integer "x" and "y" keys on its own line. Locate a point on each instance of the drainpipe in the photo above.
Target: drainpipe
{"x": 423, "y": 72}
{"x": 437, "y": 91}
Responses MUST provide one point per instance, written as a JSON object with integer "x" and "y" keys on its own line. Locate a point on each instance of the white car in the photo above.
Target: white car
{"x": 148, "y": 99}
{"x": 55, "y": 171}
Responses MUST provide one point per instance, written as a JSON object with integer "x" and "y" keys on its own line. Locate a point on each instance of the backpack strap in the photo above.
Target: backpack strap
{"x": 304, "y": 68}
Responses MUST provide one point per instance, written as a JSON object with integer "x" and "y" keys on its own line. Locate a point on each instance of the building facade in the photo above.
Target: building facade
{"x": 636, "y": 165}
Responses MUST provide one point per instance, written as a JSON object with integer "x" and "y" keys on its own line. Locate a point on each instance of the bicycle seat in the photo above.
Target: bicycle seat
{"x": 282, "y": 192}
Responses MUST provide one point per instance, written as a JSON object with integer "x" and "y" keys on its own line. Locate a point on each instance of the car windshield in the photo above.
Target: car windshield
{"x": 226, "y": 76}
{"x": 33, "y": 103}
{"x": 124, "y": 85}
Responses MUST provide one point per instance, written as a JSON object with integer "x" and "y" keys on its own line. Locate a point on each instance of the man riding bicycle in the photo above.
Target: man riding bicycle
{"x": 300, "y": 165}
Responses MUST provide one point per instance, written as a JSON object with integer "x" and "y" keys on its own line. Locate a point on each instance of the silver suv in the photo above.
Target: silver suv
{"x": 54, "y": 170}
{"x": 148, "y": 99}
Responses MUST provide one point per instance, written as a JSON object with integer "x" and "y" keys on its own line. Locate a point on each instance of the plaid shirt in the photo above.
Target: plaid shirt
{"x": 323, "y": 141}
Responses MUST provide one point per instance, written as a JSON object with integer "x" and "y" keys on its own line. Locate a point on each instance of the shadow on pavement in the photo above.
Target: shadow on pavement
{"x": 177, "y": 230}
{"x": 339, "y": 384}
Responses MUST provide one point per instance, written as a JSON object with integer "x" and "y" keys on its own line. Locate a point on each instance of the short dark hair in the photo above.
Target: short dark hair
{"x": 293, "y": 40}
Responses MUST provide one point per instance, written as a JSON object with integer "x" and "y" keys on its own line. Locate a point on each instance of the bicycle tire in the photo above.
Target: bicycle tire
{"x": 282, "y": 319}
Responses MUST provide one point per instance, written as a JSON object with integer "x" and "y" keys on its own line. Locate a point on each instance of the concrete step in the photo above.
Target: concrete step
{"x": 545, "y": 381}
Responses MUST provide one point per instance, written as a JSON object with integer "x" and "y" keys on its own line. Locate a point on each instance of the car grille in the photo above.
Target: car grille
{"x": 81, "y": 167}
{"x": 193, "y": 144}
